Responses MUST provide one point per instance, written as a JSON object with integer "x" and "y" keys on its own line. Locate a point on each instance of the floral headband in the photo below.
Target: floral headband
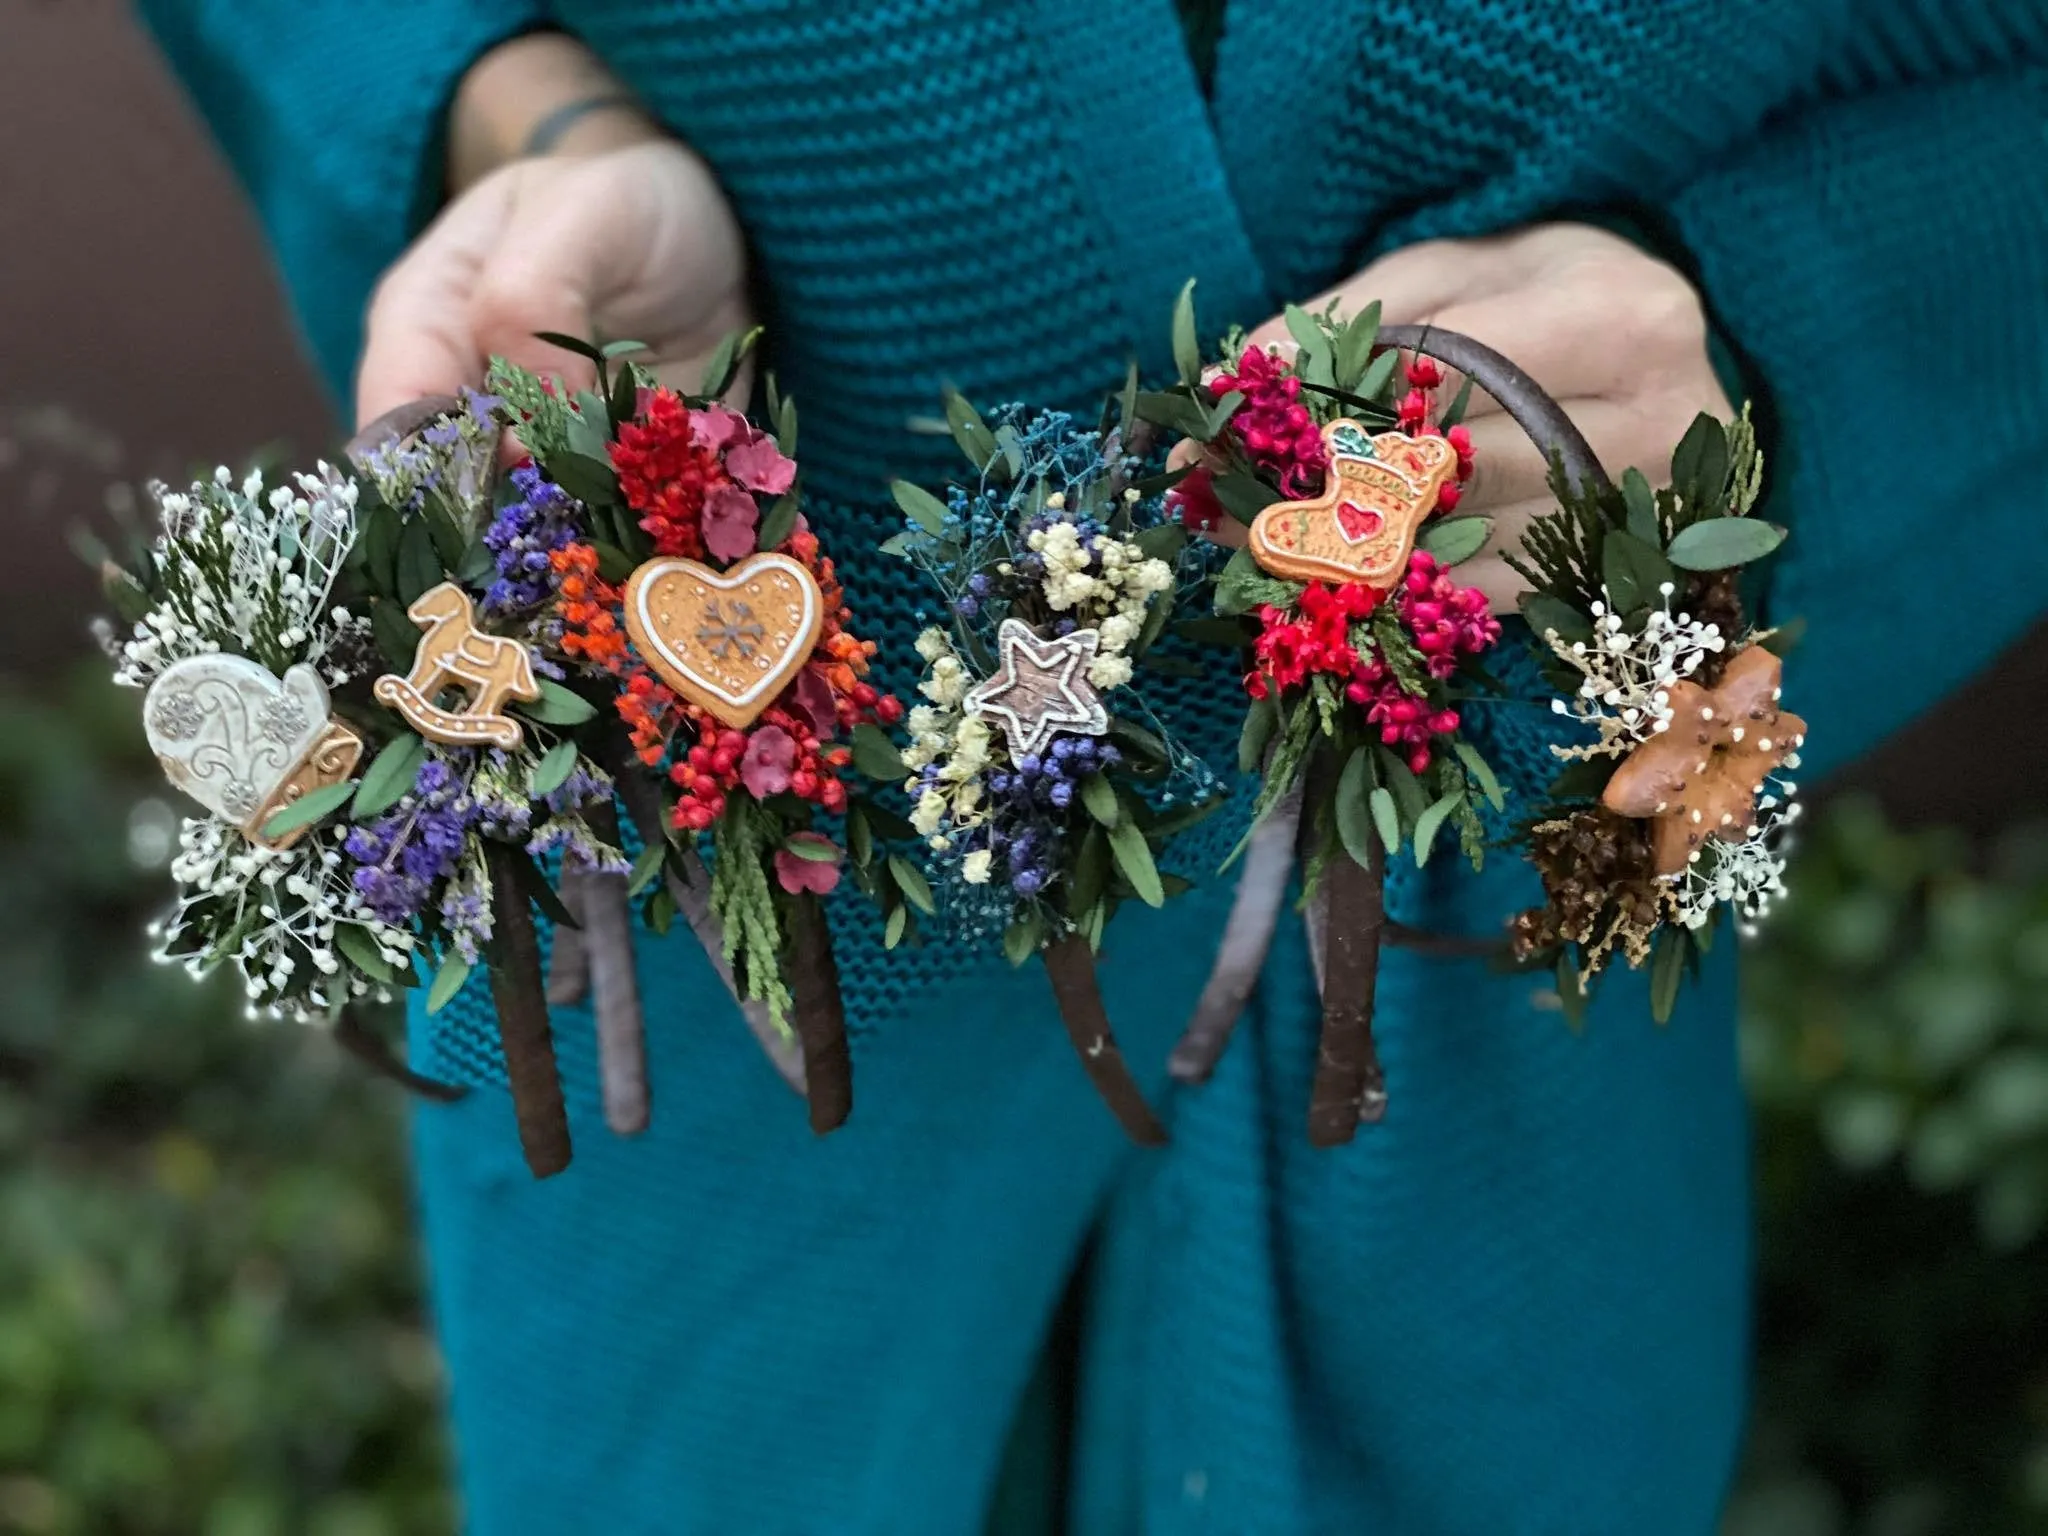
{"x": 403, "y": 695}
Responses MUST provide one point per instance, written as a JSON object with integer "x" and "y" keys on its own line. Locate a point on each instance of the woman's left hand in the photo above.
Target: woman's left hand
{"x": 1616, "y": 336}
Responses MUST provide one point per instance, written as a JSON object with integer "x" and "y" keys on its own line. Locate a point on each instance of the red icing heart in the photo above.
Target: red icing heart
{"x": 1357, "y": 523}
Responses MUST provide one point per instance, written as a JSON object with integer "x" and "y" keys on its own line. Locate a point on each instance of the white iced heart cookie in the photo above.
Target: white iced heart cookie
{"x": 728, "y": 641}
{"x": 243, "y": 743}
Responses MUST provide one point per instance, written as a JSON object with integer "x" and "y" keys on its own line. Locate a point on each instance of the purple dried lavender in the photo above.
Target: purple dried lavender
{"x": 402, "y": 855}
{"x": 522, "y": 536}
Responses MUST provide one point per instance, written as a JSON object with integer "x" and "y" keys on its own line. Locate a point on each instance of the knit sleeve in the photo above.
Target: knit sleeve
{"x": 1882, "y": 263}
{"x": 331, "y": 113}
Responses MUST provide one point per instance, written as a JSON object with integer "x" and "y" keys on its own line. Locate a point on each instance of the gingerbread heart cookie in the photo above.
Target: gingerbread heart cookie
{"x": 728, "y": 641}
{"x": 1363, "y": 525}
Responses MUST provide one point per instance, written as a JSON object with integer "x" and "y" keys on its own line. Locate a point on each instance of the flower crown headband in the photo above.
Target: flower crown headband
{"x": 401, "y": 694}
{"x": 1358, "y": 647}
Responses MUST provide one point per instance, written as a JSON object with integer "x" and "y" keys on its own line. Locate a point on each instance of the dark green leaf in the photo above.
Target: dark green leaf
{"x": 396, "y": 634}
{"x": 1241, "y": 587}
{"x": 875, "y": 755}
{"x": 1699, "y": 465}
{"x": 1482, "y": 773}
{"x": 659, "y": 911}
{"x": 1387, "y": 817}
{"x": 1187, "y": 347}
{"x": 1379, "y": 374}
{"x": 1353, "y": 350}
{"x": 646, "y": 867}
{"x": 724, "y": 365}
{"x": 1454, "y": 540}
{"x": 613, "y": 563}
{"x": 1171, "y": 666}
{"x": 354, "y": 941}
{"x": 1259, "y": 723}
{"x": 860, "y": 836}
{"x": 1354, "y": 806}
{"x": 447, "y": 982}
{"x": 583, "y": 431}
{"x": 887, "y": 825}
{"x": 389, "y": 776}
{"x": 553, "y": 771}
{"x": 1243, "y": 496}
{"x": 445, "y": 530}
{"x": 1784, "y": 640}
{"x": 920, "y": 506}
{"x": 1219, "y": 413}
{"x": 1314, "y": 363}
{"x": 1091, "y": 873}
{"x": 590, "y": 480}
{"x": 1134, "y": 857}
{"x": 778, "y": 522}
{"x": 1177, "y": 413}
{"x": 419, "y": 567}
{"x": 1459, "y": 403}
{"x": 1181, "y": 817}
{"x": 1641, "y": 502}
{"x": 1022, "y": 939}
{"x": 1545, "y": 612}
{"x": 815, "y": 850}
{"x": 535, "y": 884}
{"x": 1721, "y": 543}
{"x": 1632, "y": 571}
{"x": 625, "y": 397}
{"x": 1429, "y": 821}
{"x": 618, "y": 349}
{"x": 897, "y": 544}
{"x": 1139, "y": 740}
{"x": 969, "y": 430}
{"x": 574, "y": 344}
{"x": 477, "y": 565}
{"x": 1583, "y": 780}
{"x": 309, "y": 808}
{"x": 557, "y": 705}
{"x": 1667, "y": 970}
{"x": 1100, "y": 799}
{"x": 911, "y": 881}
{"x": 894, "y": 929}
{"x": 1408, "y": 795}
{"x": 1162, "y": 541}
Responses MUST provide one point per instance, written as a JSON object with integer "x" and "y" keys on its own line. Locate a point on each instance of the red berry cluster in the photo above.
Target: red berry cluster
{"x": 1447, "y": 620}
{"x": 1272, "y": 426}
{"x": 666, "y": 473}
{"x": 1424, "y": 376}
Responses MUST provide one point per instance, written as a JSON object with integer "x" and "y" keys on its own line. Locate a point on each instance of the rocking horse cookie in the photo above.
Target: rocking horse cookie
{"x": 455, "y": 654}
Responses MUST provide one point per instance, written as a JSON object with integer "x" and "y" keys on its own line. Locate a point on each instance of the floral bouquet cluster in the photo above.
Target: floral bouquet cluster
{"x": 1674, "y": 800}
{"x": 1328, "y": 471}
{"x": 1042, "y": 780}
{"x": 402, "y": 694}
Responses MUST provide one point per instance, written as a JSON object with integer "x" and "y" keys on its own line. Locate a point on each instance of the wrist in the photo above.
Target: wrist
{"x": 542, "y": 93}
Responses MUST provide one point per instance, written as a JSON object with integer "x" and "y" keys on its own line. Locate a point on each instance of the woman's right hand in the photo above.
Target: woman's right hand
{"x": 633, "y": 242}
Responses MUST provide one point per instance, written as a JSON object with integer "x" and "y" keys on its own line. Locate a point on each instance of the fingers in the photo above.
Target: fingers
{"x": 1414, "y": 283}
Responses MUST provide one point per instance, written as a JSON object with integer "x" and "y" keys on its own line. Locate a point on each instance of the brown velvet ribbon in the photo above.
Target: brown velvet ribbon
{"x": 1070, "y": 964}
{"x": 1347, "y": 921}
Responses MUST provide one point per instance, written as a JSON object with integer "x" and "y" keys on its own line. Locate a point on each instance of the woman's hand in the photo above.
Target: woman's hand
{"x": 1617, "y": 336}
{"x": 628, "y": 237}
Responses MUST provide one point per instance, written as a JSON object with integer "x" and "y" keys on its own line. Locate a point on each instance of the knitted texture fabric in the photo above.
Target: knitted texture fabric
{"x": 1517, "y": 1305}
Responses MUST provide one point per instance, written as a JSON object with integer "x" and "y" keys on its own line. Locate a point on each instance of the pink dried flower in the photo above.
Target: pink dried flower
{"x": 732, "y": 519}
{"x": 771, "y": 753}
{"x": 796, "y": 873}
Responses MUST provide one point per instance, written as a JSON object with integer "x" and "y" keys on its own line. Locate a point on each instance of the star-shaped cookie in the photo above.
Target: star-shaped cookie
{"x": 1042, "y": 688}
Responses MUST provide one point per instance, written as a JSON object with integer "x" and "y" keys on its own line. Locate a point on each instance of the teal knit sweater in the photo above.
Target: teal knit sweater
{"x": 1519, "y": 1305}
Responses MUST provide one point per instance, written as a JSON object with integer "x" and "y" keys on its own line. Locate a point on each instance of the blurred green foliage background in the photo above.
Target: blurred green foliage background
{"x": 210, "y": 1310}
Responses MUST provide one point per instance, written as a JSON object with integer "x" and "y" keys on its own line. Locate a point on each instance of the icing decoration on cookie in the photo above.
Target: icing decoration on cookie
{"x": 728, "y": 641}
{"x": 1042, "y": 689}
{"x": 1362, "y": 526}
{"x": 455, "y": 654}
{"x": 244, "y": 743}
